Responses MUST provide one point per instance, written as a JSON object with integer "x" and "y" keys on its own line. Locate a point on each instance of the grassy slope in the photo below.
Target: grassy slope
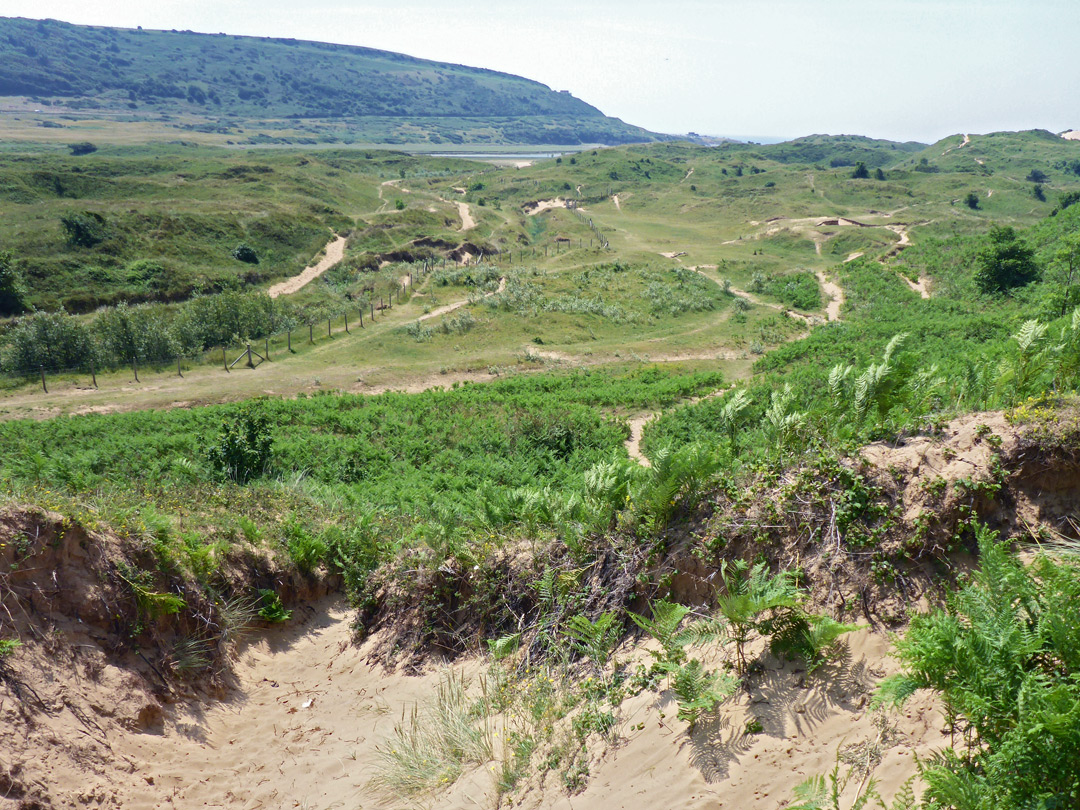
{"x": 224, "y": 80}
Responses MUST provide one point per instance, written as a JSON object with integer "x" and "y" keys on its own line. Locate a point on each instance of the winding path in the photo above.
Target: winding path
{"x": 448, "y": 308}
{"x": 335, "y": 252}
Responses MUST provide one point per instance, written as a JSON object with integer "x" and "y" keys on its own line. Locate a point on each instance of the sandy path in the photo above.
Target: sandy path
{"x": 335, "y": 252}
{"x": 961, "y": 145}
{"x": 443, "y": 310}
{"x": 688, "y": 175}
{"x": 633, "y": 444}
{"x": 835, "y": 292}
{"x": 615, "y": 199}
{"x": 467, "y": 222}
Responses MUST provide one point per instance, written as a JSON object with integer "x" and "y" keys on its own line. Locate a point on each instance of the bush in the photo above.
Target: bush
{"x": 860, "y": 172}
{"x": 12, "y": 286}
{"x": 84, "y": 148}
{"x": 84, "y": 230}
{"x": 244, "y": 447}
{"x": 972, "y": 201}
{"x": 246, "y": 254}
{"x": 1006, "y": 263}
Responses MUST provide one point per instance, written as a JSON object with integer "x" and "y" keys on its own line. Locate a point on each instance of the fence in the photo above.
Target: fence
{"x": 252, "y": 353}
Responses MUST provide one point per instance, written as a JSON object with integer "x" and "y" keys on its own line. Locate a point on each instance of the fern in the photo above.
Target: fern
{"x": 698, "y": 691}
{"x": 594, "y": 639}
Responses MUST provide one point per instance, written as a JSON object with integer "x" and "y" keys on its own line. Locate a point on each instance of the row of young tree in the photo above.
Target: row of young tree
{"x": 149, "y": 333}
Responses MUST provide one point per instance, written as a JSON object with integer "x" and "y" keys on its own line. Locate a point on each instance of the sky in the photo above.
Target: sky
{"x": 897, "y": 69}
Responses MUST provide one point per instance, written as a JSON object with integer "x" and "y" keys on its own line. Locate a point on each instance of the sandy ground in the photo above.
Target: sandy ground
{"x": 467, "y": 221}
{"x": 835, "y": 293}
{"x": 1071, "y": 135}
{"x": 335, "y": 252}
{"x": 300, "y": 728}
{"x": 615, "y": 199}
{"x": 538, "y": 207}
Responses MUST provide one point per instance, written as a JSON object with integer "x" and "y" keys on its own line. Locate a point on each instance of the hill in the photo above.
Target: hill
{"x": 223, "y": 79}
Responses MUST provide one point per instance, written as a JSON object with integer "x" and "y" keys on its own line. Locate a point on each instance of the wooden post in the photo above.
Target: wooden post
{"x": 93, "y": 372}
{"x": 250, "y": 363}
{"x": 179, "y": 372}
{"x": 266, "y": 345}
{"x": 328, "y": 327}
{"x": 290, "y": 341}
{"x": 135, "y": 368}
{"x": 43, "y": 388}
{"x": 224, "y": 359}
{"x": 347, "y": 323}
{"x": 361, "y": 317}
{"x": 311, "y": 333}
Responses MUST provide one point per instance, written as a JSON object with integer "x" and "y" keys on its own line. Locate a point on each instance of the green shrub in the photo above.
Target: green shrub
{"x": 244, "y": 446}
{"x": 1005, "y": 657}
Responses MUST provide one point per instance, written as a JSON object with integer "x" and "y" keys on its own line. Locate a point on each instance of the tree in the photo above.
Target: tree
{"x": 12, "y": 286}
{"x": 972, "y": 201}
{"x": 861, "y": 172}
{"x": 1038, "y": 193}
{"x": 1006, "y": 263}
{"x": 1067, "y": 265}
{"x": 879, "y": 174}
{"x": 1037, "y": 176}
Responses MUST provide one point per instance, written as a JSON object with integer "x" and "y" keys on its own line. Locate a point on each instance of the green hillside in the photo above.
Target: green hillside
{"x": 221, "y": 79}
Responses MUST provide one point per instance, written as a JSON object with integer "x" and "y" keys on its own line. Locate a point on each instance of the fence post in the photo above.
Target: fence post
{"x": 290, "y": 341}
{"x": 135, "y": 367}
{"x": 328, "y": 327}
{"x": 266, "y": 346}
{"x": 224, "y": 359}
{"x": 43, "y": 388}
{"x": 179, "y": 373}
{"x": 93, "y": 372}
{"x": 311, "y": 333}
{"x": 347, "y": 323}
{"x": 361, "y": 317}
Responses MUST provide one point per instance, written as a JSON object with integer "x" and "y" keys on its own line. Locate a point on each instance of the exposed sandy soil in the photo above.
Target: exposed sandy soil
{"x": 467, "y": 221}
{"x": 533, "y": 208}
{"x": 89, "y": 722}
{"x": 335, "y": 251}
{"x": 835, "y": 293}
{"x": 299, "y": 727}
{"x": 615, "y": 199}
{"x": 1071, "y": 135}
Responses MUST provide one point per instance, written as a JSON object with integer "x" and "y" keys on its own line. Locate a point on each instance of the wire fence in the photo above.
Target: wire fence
{"x": 352, "y": 318}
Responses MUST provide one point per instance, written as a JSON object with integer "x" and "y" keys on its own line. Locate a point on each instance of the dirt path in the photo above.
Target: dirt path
{"x": 615, "y": 199}
{"x": 689, "y": 174}
{"x": 961, "y": 145}
{"x": 637, "y": 425}
{"x": 448, "y": 308}
{"x": 835, "y": 292}
{"x": 467, "y": 222}
{"x": 335, "y": 252}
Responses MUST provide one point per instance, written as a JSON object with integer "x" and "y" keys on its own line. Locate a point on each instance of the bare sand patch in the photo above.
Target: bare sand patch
{"x": 335, "y": 252}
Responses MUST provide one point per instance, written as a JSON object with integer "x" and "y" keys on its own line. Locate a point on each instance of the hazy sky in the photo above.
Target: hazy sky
{"x": 900, "y": 69}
